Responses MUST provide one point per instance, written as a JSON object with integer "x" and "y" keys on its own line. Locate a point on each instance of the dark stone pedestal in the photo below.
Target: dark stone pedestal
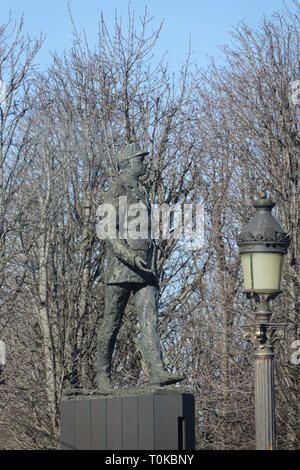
{"x": 140, "y": 420}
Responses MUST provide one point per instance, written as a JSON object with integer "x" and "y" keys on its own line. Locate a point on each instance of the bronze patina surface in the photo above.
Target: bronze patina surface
{"x": 131, "y": 268}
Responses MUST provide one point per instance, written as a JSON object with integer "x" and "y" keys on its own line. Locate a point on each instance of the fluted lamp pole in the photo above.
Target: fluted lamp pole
{"x": 263, "y": 244}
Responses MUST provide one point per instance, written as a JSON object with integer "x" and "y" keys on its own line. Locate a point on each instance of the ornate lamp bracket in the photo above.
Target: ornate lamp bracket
{"x": 263, "y": 336}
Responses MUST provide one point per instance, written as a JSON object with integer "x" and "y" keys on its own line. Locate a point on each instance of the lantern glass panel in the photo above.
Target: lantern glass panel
{"x": 246, "y": 266}
{"x": 263, "y": 272}
{"x": 267, "y": 269}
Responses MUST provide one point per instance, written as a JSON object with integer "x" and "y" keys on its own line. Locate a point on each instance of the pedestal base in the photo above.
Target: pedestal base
{"x": 157, "y": 420}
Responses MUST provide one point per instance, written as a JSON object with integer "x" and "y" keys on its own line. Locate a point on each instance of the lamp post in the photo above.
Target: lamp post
{"x": 263, "y": 244}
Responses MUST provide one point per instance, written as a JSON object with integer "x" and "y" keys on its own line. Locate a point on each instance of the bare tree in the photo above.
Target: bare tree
{"x": 17, "y": 58}
{"x": 258, "y": 124}
{"x": 214, "y": 138}
{"x": 83, "y": 108}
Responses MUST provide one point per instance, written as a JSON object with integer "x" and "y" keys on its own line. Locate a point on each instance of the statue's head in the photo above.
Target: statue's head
{"x": 131, "y": 159}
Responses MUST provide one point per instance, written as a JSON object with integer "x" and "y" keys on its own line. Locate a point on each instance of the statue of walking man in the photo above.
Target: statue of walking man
{"x": 131, "y": 268}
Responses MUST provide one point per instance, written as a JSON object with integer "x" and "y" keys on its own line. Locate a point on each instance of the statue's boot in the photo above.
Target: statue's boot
{"x": 163, "y": 377}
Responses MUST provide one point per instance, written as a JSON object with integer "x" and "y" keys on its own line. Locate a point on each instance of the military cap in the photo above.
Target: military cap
{"x": 130, "y": 151}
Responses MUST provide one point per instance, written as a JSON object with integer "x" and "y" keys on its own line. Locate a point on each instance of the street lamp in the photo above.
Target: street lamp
{"x": 263, "y": 244}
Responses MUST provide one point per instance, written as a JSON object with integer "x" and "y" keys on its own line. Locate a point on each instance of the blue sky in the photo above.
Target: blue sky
{"x": 208, "y": 22}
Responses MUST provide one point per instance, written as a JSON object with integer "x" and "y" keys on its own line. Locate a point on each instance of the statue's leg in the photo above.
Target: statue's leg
{"x": 146, "y": 301}
{"x": 146, "y": 306}
{"x": 116, "y": 298}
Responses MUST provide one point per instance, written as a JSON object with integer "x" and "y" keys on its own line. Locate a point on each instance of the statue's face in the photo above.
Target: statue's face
{"x": 137, "y": 165}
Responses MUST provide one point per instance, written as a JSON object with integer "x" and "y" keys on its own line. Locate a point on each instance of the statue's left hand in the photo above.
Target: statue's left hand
{"x": 142, "y": 265}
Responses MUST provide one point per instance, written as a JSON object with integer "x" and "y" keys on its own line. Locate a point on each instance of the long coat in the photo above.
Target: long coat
{"x": 121, "y": 253}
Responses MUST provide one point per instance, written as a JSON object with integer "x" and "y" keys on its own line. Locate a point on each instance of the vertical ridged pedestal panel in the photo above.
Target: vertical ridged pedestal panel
{"x": 159, "y": 420}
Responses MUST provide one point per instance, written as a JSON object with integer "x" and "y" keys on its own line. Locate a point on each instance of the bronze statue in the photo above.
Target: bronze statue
{"x": 131, "y": 267}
